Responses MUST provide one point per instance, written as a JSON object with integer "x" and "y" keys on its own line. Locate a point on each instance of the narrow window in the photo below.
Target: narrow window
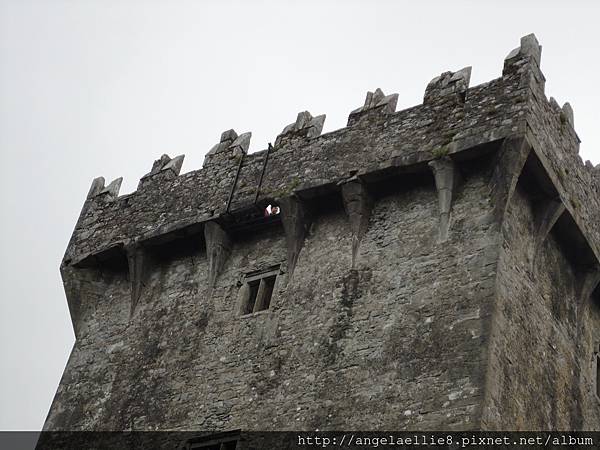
{"x": 266, "y": 292}
{"x": 251, "y": 302}
{"x": 257, "y": 291}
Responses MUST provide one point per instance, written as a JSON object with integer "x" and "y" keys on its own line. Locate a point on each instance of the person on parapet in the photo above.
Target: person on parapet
{"x": 271, "y": 210}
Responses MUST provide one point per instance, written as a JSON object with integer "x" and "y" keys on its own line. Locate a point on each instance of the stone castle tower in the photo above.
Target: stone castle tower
{"x": 431, "y": 268}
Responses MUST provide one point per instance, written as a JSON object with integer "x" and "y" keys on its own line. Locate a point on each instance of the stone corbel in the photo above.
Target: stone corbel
{"x": 447, "y": 179}
{"x": 218, "y": 250}
{"x": 358, "y": 204}
{"x": 137, "y": 260}
{"x": 508, "y": 167}
{"x": 296, "y": 221}
{"x": 587, "y": 282}
{"x": 550, "y": 211}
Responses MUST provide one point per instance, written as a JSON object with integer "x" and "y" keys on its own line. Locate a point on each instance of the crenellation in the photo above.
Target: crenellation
{"x": 407, "y": 139}
{"x": 227, "y": 138}
{"x": 230, "y": 150}
{"x": 448, "y": 85}
{"x": 567, "y": 114}
{"x": 96, "y": 187}
{"x": 111, "y": 191}
{"x": 376, "y": 104}
{"x": 241, "y": 144}
{"x": 425, "y": 259}
{"x": 555, "y": 118}
{"x": 175, "y": 164}
{"x": 158, "y": 164}
{"x": 554, "y": 105}
{"x": 305, "y": 126}
{"x": 524, "y": 64}
{"x": 529, "y": 48}
{"x": 163, "y": 169}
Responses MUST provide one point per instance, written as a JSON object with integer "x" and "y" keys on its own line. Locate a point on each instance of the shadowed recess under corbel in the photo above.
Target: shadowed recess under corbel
{"x": 549, "y": 211}
{"x": 588, "y": 281}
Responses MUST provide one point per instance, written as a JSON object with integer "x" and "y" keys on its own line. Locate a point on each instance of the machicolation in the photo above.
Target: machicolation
{"x": 434, "y": 268}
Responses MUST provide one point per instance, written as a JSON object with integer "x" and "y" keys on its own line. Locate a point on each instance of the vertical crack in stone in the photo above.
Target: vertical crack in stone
{"x": 218, "y": 250}
{"x": 358, "y": 205}
{"x": 446, "y": 179}
{"x": 296, "y": 220}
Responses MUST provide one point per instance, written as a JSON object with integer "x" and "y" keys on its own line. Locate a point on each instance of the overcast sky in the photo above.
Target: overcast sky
{"x": 90, "y": 88}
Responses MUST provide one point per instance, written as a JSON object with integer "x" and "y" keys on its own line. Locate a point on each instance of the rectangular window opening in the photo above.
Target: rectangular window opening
{"x": 257, "y": 292}
{"x": 264, "y": 294}
{"x": 251, "y": 302}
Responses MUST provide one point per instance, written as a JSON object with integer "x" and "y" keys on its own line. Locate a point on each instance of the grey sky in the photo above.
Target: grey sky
{"x": 90, "y": 88}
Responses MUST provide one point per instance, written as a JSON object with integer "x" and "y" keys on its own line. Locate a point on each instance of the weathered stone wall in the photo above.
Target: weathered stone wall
{"x": 375, "y": 141}
{"x": 439, "y": 270}
{"x": 542, "y": 368}
{"x": 541, "y": 373}
{"x": 397, "y": 343}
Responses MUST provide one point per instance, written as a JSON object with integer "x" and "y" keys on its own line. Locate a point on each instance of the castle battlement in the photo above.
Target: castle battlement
{"x": 453, "y": 119}
{"x": 485, "y": 154}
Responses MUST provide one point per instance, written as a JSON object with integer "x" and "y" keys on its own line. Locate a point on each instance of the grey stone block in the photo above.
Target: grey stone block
{"x": 113, "y": 188}
{"x": 174, "y": 164}
{"x": 241, "y": 143}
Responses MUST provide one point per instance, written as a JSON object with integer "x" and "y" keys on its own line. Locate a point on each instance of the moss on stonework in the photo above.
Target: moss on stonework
{"x": 288, "y": 189}
{"x": 440, "y": 152}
